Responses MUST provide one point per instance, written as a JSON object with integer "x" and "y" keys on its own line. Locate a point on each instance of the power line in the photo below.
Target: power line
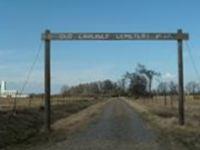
{"x": 28, "y": 76}
{"x": 192, "y": 60}
{"x": 31, "y": 69}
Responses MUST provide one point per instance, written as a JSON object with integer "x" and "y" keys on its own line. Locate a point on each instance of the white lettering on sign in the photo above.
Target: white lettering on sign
{"x": 115, "y": 36}
{"x": 93, "y": 36}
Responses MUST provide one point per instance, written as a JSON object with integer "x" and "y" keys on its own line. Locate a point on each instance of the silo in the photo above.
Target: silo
{"x": 3, "y": 86}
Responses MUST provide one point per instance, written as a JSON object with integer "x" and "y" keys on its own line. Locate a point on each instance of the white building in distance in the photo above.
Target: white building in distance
{"x": 10, "y": 93}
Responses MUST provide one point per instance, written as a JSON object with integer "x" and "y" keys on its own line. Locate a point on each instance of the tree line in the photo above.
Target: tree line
{"x": 137, "y": 83}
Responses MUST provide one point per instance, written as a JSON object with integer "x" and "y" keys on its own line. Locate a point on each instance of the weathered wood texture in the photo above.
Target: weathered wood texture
{"x": 116, "y": 36}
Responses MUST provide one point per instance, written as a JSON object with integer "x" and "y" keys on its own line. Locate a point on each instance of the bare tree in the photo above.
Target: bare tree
{"x": 163, "y": 89}
{"x": 192, "y": 87}
{"x": 148, "y": 73}
{"x": 138, "y": 84}
{"x": 64, "y": 90}
{"x": 173, "y": 90}
{"x": 121, "y": 84}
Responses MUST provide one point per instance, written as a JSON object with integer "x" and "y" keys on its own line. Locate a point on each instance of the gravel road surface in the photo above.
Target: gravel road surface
{"x": 118, "y": 127}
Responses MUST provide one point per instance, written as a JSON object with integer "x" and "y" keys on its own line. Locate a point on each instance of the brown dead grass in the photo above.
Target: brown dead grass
{"x": 7, "y": 104}
{"x": 24, "y": 127}
{"x": 165, "y": 119}
{"x": 63, "y": 128}
{"x": 75, "y": 120}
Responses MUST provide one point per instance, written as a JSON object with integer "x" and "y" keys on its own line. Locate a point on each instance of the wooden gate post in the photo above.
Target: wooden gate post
{"x": 180, "y": 79}
{"x": 48, "y": 37}
{"x": 47, "y": 77}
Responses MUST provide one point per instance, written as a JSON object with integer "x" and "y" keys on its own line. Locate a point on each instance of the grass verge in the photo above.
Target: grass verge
{"x": 164, "y": 120}
{"x": 24, "y": 128}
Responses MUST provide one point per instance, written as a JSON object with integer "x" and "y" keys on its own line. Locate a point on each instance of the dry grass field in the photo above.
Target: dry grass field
{"x": 169, "y": 109}
{"x": 7, "y": 104}
{"x": 163, "y": 115}
{"x": 27, "y": 121}
{"x": 24, "y": 127}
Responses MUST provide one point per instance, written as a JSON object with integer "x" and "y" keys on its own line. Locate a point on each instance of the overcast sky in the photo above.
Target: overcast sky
{"x": 23, "y": 21}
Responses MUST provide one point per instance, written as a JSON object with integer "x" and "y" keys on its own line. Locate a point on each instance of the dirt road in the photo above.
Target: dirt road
{"x": 118, "y": 127}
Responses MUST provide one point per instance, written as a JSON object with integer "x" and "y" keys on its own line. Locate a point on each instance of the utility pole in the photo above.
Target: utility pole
{"x": 47, "y": 77}
{"x": 180, "y": 78}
